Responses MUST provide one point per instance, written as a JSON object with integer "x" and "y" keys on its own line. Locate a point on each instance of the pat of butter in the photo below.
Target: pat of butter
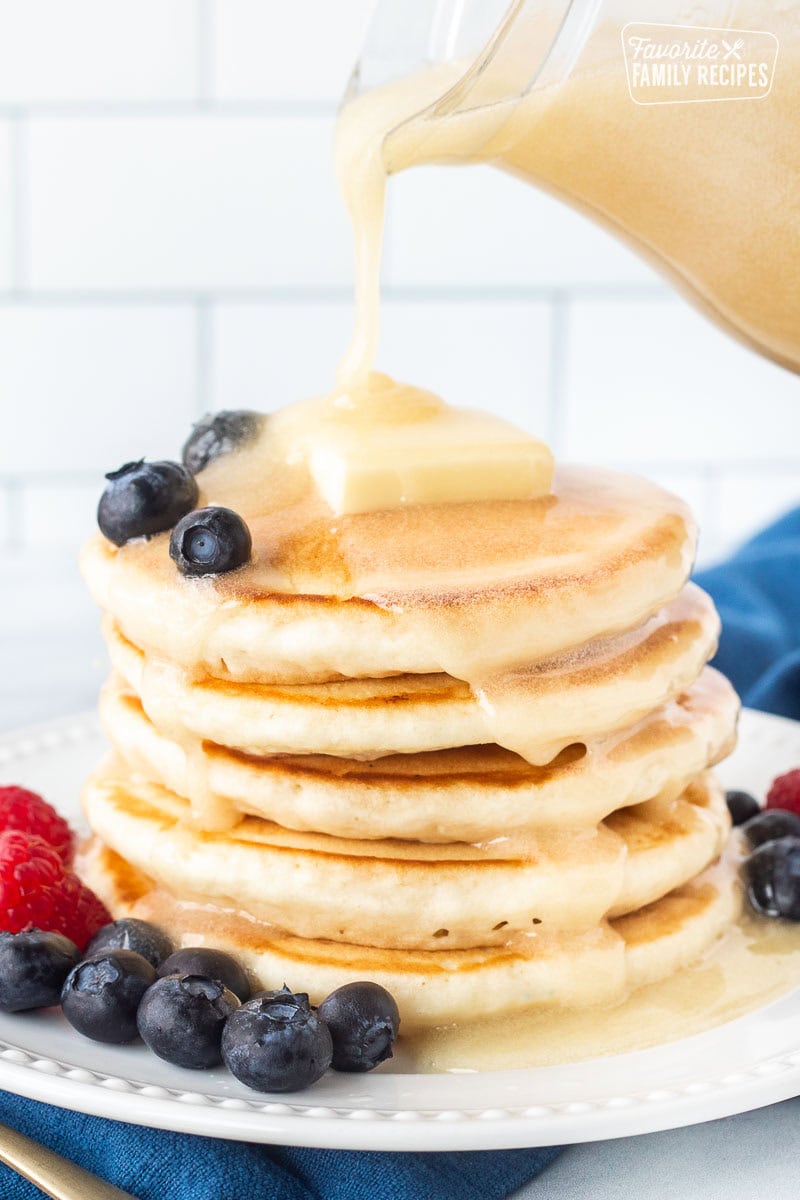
{"x": 403, "y": 446}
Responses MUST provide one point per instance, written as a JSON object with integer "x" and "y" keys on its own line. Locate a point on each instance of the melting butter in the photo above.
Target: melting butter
{"x": 386, "y": 444}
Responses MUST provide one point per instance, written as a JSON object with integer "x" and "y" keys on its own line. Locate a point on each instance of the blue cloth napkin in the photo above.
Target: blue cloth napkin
{"x": 155, "y": 1165}
{"x": 757, "y": 592}
{"x": 758, "y": 595}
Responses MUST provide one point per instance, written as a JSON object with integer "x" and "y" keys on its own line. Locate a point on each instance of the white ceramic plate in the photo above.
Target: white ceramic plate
{"x": 749, "y": 1062}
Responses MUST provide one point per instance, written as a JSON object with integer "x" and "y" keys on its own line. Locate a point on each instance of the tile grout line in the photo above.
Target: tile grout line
{"x": 20, "y": 204}
{"x": 204, "y": 357}
{"x": 711, "y": 491}
{"x": 15, "y": 503}
{"x": 192, "y": 106}
{"x": 5, "y": 510}
{"x": 334, "y": 293}
{"x": 559, "y": 338}
{"x": 204, "y": 52}
{"x": 50, "y": 478}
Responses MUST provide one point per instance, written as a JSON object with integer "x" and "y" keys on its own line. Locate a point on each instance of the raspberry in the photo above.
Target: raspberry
{"x": 785, "y": 792}
{"x": 85, "y": 913}
{"x": 24, "y": 810}
{"x": 37, "y": 891}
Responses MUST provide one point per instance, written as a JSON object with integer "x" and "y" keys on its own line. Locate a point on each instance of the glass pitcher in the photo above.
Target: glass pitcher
{"x": 673, "y": 124}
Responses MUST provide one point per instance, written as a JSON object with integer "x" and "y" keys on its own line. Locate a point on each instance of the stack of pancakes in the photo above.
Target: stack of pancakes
{"x": 460, "y": 749}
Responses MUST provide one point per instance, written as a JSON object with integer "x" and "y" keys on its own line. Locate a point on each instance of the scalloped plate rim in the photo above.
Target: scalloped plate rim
{"x": 42, "y": 1059}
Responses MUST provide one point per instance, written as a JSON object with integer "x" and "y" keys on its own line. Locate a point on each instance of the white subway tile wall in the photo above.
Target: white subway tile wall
{"x": 177, "y": 203}
{"x": 677, "y": 384}
{"x": 6, "y": 205}
{"x": 751, "y": 496}
{"x": 494, "y": 353}
{"x": 52, "y": 52}
{"x": 476, "y": 227}
{"x": 265, "y": 355}
{"x": 56, "y": 515}
{"x": 171, "y": 241}
{"x": 298, "y": 51}
{"x": 5, "y": 518}
{"x": 86, "y": 386}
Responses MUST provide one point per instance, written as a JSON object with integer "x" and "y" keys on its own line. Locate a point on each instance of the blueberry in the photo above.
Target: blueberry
{"x": 770, "y": 824}
{"x": 216, "y": 964}
{"x": 182, "y": 1017}
{"x": 219, "y": 433}
{"x": 130, "y": 934}
{"x": 277, "y": 1043}
{"x": 144, "y": 498}
{"x": 33, "y": 967}
{"x": 742, "y": 806}
{"x": 363, "y": 1020}
{"x": 210, "y": 541}
{"x": 772, "y": 873}
{"x": 101, "y": 994}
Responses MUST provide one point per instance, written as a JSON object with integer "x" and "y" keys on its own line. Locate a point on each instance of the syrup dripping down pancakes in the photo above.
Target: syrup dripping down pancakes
{"x": 463, "y": 749}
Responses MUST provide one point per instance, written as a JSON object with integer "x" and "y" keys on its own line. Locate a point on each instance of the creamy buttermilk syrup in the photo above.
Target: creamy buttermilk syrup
{"x": 754, "y": 963}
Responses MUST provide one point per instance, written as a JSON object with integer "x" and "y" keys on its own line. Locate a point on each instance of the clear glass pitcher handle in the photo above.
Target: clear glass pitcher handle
{"x": 407, "y": 35}
{"x": 505, "y": 47}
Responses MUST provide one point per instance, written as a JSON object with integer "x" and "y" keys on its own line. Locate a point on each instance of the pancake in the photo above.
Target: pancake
{"x": 463, "y": 794}
{"x": 537, "y": 711}
{"x": 460, "y": 749}
{"x": 442, "y": 986}
{"x": 412, "y": 895}
{"x": 419, "y": 589}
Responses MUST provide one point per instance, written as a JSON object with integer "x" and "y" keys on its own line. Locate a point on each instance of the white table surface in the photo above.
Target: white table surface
{"x": 52, "y": 663}
{"x": 749, "y": 1157}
